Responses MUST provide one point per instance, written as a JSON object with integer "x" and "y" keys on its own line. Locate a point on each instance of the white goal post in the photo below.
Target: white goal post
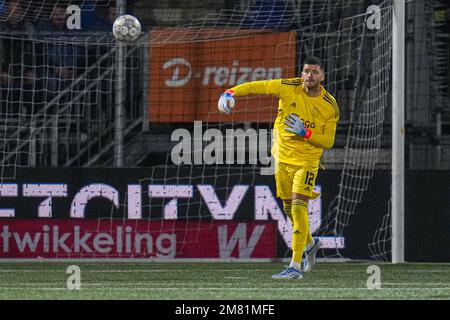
{"x": 398, "y": 132}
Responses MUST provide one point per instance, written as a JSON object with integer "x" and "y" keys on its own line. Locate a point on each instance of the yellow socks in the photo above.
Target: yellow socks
{"x": 301, "y": 233}
{"x": 287, "y": 209}
{"x": 299, "y": 208}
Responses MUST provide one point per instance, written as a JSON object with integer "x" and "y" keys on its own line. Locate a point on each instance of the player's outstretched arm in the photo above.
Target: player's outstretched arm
{"x": 226, "y": 101}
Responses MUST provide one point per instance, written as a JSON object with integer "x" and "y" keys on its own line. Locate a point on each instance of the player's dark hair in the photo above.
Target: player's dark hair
{"x": 312, "y": 60}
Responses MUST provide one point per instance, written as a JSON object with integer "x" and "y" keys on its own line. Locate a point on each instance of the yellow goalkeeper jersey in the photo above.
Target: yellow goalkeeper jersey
{"x": 320, "y": 114}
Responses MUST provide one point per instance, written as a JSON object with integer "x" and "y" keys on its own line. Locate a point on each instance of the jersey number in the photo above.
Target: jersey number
{"x": 309, "y": 178}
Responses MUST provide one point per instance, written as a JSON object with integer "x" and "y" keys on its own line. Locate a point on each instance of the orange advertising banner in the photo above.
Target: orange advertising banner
{"x": 189, "y": 72}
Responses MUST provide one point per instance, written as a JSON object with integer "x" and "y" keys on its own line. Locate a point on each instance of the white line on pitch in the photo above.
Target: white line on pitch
{"x": 234, "y": 289}
{"x": 134, "y": 271}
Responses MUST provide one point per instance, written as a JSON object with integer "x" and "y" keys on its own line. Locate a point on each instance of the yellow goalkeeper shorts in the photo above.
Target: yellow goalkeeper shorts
{"x": 295, "y": 179}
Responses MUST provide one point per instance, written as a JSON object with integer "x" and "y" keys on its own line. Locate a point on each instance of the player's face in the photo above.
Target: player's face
{"x": 58, "y": 17}
{"x": 312, "y": 75}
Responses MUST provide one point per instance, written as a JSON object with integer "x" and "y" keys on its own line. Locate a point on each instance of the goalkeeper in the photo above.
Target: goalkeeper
{"x": 304, "y": 127}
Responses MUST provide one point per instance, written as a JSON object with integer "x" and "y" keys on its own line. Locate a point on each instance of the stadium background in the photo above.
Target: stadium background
{"x": 59, "y": 119}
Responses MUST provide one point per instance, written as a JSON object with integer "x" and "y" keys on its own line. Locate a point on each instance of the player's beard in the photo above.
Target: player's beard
{"x": 312, "y": 86}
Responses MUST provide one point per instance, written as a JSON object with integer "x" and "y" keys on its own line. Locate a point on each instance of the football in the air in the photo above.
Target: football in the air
{"x": 127, "y": 28}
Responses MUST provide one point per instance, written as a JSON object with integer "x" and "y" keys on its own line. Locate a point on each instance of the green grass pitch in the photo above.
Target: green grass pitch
{"x": 220, "y": 281}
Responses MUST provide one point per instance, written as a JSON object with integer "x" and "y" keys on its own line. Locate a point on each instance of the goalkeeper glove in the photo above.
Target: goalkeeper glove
{"x": 226, "y": 102}
{"x": 295, "y": 125}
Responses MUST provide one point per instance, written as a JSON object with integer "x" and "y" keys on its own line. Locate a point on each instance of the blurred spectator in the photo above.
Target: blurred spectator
{"x": 88, "y": 15}
{"x": 16, "y": 37}
{"x": 61, "y": 53}
{"x": 442, "y": 15}
{"x": 14, "y": 15}
{"x": 106, "y": 17}
{"x": 269, "y": 14}
{"x": 56, "y": 21}
{"x": 17, "y": 76}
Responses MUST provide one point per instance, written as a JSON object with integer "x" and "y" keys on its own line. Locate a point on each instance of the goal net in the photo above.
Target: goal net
{"x": 195, "y": 183}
